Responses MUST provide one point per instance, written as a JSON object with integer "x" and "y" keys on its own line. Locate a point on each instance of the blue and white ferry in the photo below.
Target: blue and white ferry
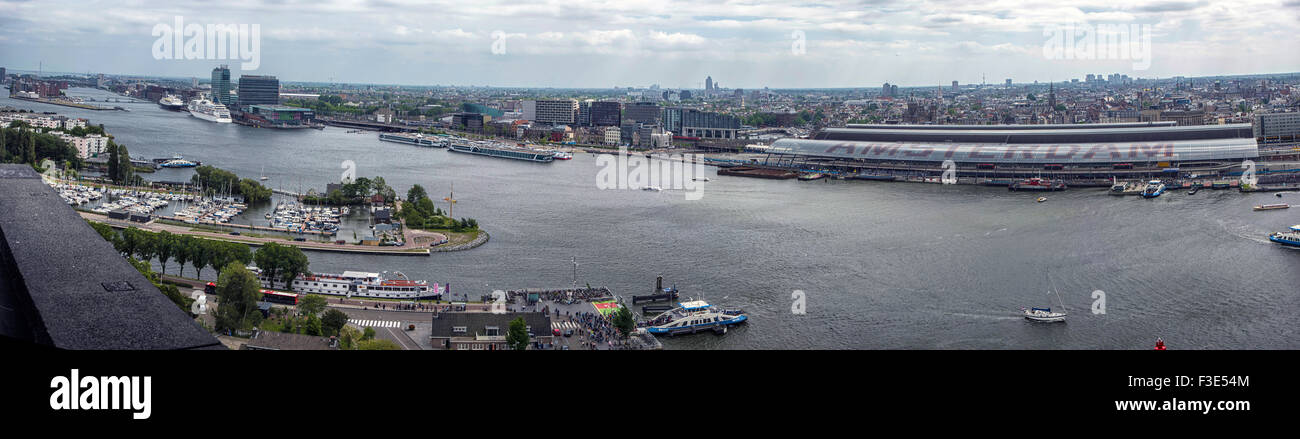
{"x": 1291, "y": 238}
{"x": 695, "y": 316}
{"x": 1154, "y": 189}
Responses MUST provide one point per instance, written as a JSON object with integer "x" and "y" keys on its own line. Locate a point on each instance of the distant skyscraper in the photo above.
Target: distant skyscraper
{"x": 221, "y": 85}
{"x": 885, "y": 91}
{"x": 1008, "y": 82}
{"x": 954, "y": 86}
{"x": 258, "y": 90}
{"x": 708, "y": 83}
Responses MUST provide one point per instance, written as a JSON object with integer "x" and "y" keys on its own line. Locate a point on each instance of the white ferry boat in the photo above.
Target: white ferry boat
{"x": 694, "y": 316}
{"x": 356, "y": 284}
{"x": 207, "y": 110}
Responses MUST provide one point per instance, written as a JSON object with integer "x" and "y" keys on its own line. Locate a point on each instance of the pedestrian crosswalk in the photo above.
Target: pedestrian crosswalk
{"x": 375, "y": 323}
{"x": 564, "y": 325}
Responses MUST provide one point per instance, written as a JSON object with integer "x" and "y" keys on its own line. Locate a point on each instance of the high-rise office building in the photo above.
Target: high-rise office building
{"x": 695, "y": 123}
{"x": 954, "y": 86}
{"x": 221, "y": 85}
{"x": 559, "y": 111}
{"x": 258, "y": 90}
{"x": 708, "y": 83}
{"x": 1008, "y": 82}
{"x": 885, "y": 91}
{"x": 644, "y": 112}
{"x": 606, "y": 113}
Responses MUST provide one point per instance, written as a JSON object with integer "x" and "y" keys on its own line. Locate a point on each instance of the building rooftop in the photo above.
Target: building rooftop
{"x": 476, "y": 323}
{"x": 63, "y": 285}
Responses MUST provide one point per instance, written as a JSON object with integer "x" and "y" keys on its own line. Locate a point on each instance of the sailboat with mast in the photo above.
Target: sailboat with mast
{"x": 1046, "y": 314}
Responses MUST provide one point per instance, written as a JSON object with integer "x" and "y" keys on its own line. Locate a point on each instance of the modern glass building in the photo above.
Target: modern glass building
{"x": 606, "y": 113}
{"x": 644, "y": 112}
{"x": 258, "y": 90}
{"x": 221, "y": 85}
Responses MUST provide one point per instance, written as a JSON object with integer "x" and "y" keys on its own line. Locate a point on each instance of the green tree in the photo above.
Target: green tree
{"x": 113, "y": 171}
{"x": 313, "y": 326}
{"x": 416, "y": 193}
{"x": 333, "y": 321}
{"x": 164, "y": 248}
{"x": 238, "y": 290}
{"x": 517, "y": 336}
{"x": 311, "y": 305}
{"x": 199, "y": 254}
{"x": 349, "y": 337}
{"x": 182, "y": 252}
{"x": 368, "y": 334}
{"x": 623, "y": 321}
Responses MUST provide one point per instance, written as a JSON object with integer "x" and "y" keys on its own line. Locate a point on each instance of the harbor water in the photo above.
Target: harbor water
{"x": 879, "y": 265}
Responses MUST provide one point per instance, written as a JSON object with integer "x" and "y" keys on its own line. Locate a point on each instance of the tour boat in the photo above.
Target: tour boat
{"x": 694, "y": 316}
{"x": 356, "y": 284}
{"x": 1273, "y": 206}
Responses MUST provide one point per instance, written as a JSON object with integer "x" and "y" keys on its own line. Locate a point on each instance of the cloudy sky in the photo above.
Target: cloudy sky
{"x": 585, "y": 43}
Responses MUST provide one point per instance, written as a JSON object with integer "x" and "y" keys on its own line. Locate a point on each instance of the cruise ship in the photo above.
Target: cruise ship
{"x": 503, "y": 151}
{"x": 171, "y": 103}
{"x": 209, "y": 111}
{"x": 414, "y": 139}
{"x": 356, "y": 284}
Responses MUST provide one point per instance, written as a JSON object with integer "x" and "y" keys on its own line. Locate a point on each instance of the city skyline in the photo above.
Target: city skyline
{"x": 672, "y": 44}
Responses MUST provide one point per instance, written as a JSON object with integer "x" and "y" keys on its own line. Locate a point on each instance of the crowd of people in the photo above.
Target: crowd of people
{"x": 561, "y": 295}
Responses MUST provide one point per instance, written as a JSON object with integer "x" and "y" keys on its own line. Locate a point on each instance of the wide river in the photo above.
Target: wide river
{"x": 880, "y": 265}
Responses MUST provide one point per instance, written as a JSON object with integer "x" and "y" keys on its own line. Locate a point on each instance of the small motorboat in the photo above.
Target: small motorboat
{"x": 1193, "y": 190}
{"x": 1160, "y": 344}
{"x": 652, "y": 188}
{"x": 701, "y": 179}
{"x": 1042, "y": 199}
